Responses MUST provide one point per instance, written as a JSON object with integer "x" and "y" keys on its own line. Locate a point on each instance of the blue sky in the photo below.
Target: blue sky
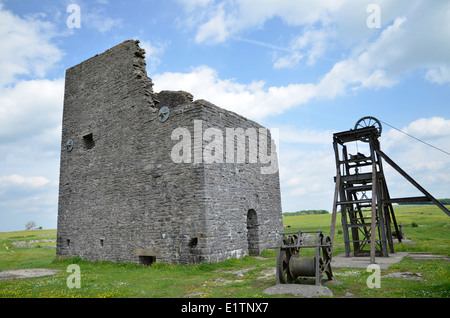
{"x": 305, "y": 68}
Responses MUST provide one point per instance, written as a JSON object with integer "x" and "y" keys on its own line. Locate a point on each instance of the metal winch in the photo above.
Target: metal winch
{"x": 290, "y": 266}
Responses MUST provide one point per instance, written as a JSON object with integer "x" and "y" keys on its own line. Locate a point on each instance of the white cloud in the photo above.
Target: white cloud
{"x": 228, "y": 18}
{"x": 346, "y": 17}
{"x": 306, "y": 177}
{"x": 95, "y": 18}
{"x": 362, "y": 70}
{"x": 23, "y": 199}
{"x": 427, "y": 165}
{"x": 26, "y": 47}
{"x": 153, "y": 52}
{"x": 373, "y": 58}
{"x": 252, "y": 100}
{"x": 29, "y": 109}
{"x": 287, "y": 61}
{"x": 312, "y": 43}
{"x": 30, "y": 119}
{"x": 30, "y": 135}
{"x": 365, "y": 69}
{"x": 307, "y": 164}
{"x": 403, "y": 46}
{"x": 378, "y": 79}
{"x": 33, "y": 182}
{"x": 379, "y": 63}
{"x": 290, "y": 134}
{"x": 439, "y": 75}
{"x": 215, "y": 30}
{"x": 431, "y": 129}
{"x": 191, "y": 5}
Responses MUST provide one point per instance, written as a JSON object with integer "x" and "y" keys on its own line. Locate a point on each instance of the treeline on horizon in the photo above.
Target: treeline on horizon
{"x": 305, "y": 212}
{"x": 310, "y": 212}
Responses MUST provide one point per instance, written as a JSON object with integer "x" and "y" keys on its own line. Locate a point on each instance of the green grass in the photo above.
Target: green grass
{"x": 12, "y": 257}
{"x": 427, "y": 226}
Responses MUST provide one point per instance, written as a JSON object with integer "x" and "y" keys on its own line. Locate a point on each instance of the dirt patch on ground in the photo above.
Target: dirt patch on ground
{"x": 307, "y": 291}
{"x": 26, "y": 273}
{"x": 363, "y": 261}
{"x": 405, "y": 275}
{"x": 427, "y": 256}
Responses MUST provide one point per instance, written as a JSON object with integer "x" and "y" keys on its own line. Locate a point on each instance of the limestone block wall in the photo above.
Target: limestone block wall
{"x": 123, "y": 198}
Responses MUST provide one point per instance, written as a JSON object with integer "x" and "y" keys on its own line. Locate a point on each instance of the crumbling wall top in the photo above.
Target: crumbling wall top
{"x": 125, "y": 60}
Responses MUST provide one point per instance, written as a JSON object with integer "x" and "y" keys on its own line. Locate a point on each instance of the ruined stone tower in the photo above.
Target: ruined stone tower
{"x": 143, "y": 177}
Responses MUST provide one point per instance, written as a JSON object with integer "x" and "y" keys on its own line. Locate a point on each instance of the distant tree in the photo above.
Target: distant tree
{"x": 30, "y": 225}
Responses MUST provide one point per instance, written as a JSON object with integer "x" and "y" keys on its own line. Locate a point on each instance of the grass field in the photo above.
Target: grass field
{"x": 427, "y": 226}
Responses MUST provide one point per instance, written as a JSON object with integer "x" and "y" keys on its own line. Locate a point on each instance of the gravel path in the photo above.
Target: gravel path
{"x": 26, "y": 273}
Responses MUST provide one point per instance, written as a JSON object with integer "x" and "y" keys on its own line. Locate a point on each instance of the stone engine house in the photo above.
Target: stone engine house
{"x": 137, "y": 182}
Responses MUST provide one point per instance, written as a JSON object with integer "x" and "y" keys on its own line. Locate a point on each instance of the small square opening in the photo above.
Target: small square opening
{"x": 88, "y": 141}
{"x": 146, "y": 260}
{"x": 193, "y": 242}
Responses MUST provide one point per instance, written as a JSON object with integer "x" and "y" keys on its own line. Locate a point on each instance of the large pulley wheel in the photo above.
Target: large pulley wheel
{"x": 369, "y": 121}
{"x": 293, "y": 241}
{"x": 290, "y": 266}
{"x": 283, "y": 258}
{"x": 326, "y": 256}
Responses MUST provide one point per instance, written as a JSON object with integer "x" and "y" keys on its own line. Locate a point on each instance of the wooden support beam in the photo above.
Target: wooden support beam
{"x": 412, "y": 181}
{"x": 373, "y": 207}
{"x": 407, "y": 200}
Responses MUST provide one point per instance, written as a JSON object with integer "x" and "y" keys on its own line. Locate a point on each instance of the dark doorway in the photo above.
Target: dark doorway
{"x": 252, "y": 233}
{"x": 146, "y": 260}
